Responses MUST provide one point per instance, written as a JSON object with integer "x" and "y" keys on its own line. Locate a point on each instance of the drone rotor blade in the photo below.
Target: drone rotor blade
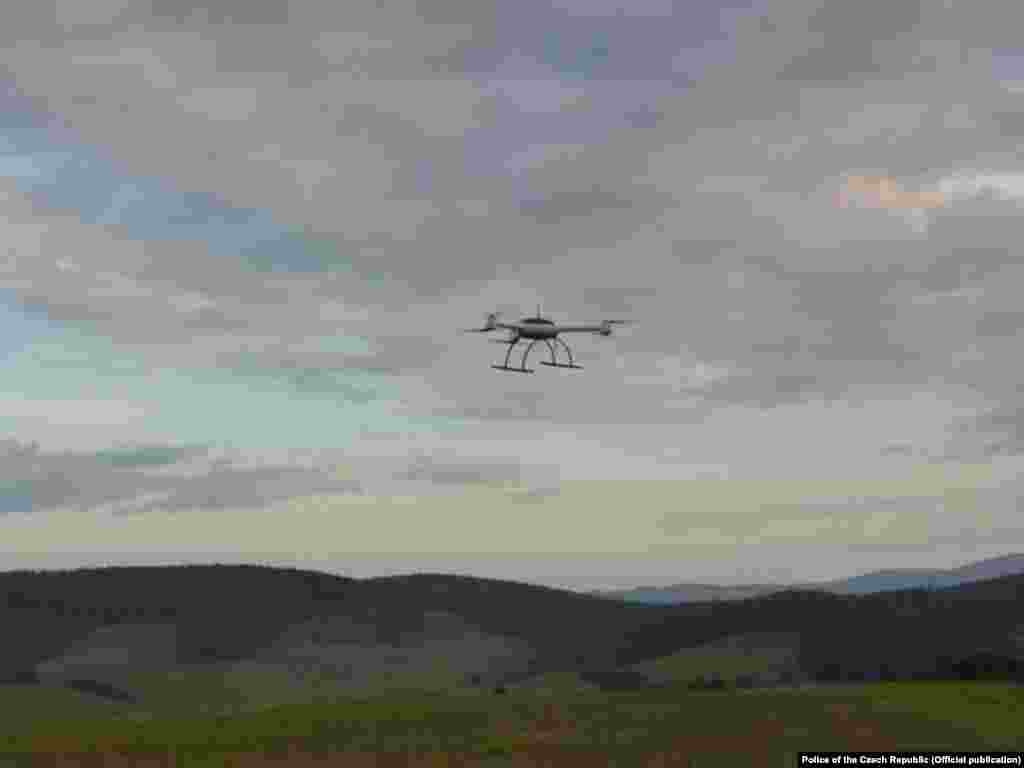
{"x": 490, "y": 318}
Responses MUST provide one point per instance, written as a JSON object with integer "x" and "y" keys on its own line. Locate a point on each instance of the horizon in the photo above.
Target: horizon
{"x": 306, "y": 567}
{"x": 241, "y": 242}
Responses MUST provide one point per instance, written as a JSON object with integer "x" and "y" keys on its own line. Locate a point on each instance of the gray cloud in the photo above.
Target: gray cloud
{"x": 844, "y": 42}
{"x": 258, "y": 13}
{"x": 1010, "y": 123}
{"x": 428, "y": 469}
{"x": 49, "y": 480}
{"x": 145, "y": 478}
{"x": 396, "y": 133}
{"x": 1004, "y": 424}
{"x": 242, "y": 488}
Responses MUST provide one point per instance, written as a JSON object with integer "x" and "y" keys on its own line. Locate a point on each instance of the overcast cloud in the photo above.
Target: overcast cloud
{"x": 251, "y": 230}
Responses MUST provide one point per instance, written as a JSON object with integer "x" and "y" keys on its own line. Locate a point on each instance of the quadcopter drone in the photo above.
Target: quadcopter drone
{"x": 538, "y": 329}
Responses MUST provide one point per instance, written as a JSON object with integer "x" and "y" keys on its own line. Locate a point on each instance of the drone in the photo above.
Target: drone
{"x": 538, "y": 329}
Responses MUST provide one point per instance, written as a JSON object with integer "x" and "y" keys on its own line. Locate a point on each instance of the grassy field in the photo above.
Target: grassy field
{"x": 570, "y": 726}
{"x": 731, "y": 658}
{"x": 690, "y": 665}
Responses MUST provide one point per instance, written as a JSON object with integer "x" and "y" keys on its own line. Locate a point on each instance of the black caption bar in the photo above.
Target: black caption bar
{"x": 909, "y": 758}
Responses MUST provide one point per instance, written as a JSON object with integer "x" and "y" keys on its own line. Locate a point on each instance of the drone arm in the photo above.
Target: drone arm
{"x": 489, "y": 328}
{"x": 579, "y": 328}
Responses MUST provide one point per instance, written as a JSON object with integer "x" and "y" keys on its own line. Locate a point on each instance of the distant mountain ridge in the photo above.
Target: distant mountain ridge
{"x": 691, "y": 593}
{"x": 885, "y": 580}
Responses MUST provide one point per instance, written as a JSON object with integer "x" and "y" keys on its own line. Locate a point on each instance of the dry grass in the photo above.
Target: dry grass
{"x": 749, "y": 731}
{"x": 858, "y": 733}
{"x": 541, "y": 742}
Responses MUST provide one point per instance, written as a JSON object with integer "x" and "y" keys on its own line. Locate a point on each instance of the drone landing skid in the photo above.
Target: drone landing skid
{"x": 561, "y": 365}
{"x": 511, "y": 368}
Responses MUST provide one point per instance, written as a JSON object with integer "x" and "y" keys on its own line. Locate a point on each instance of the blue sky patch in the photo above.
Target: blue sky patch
{"x": 20, "y": 326}
{"x": 62, "y": 174}
{"x": 15, "y": 497}
{"x": 142, "y": 456}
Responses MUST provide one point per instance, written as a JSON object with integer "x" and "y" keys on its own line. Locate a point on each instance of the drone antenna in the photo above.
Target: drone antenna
{"x": 538, "y": 311}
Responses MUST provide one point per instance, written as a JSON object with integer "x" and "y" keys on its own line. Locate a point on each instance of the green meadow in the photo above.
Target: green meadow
{"x": 560, "y": 721}
{"x": 692, "y": 664}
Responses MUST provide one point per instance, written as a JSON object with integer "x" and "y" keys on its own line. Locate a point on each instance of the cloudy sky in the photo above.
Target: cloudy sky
{"x": 239, "y": 240}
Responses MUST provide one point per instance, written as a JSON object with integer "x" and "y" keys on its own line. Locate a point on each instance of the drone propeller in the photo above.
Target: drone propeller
{"x": 606, "y": 326}
{"x": 489, "y": 320}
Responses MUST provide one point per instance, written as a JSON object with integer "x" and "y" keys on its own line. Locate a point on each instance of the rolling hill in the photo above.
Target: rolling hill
{"x": 876, "y": 581}
{"x": 245, "y": 635}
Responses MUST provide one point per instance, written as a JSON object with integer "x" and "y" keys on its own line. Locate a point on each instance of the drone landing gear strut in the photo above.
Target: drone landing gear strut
{"x": 508, "y": 355}
{"x": 551, "y": 348}
{"x": 554, "y": 360}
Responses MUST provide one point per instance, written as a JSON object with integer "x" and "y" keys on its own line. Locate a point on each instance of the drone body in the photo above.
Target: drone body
{"x": 538, "y": 329}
